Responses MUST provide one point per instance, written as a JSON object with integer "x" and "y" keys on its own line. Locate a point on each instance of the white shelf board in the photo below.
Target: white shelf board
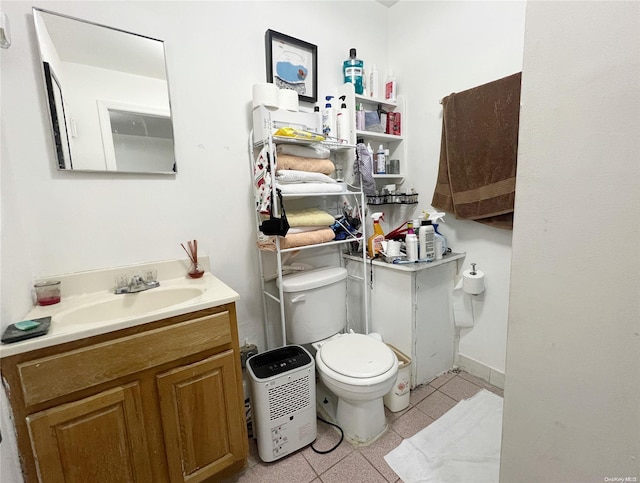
{"x": 379, "y": 136}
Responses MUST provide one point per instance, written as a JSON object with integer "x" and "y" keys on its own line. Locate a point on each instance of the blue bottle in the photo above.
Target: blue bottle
{"x": 353, "y": 70}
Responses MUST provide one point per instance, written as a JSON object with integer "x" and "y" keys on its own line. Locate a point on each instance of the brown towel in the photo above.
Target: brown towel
{"x": 288, "y": 161}
{"x": 478, "y": 153}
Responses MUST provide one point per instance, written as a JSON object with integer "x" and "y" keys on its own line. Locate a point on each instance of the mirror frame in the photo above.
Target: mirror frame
{"x": 60, "y": 123}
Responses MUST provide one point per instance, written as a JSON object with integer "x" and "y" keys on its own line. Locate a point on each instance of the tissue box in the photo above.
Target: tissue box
{"x": 394, "y": 123}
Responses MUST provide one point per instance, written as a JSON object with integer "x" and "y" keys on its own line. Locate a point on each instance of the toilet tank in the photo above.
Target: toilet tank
{"x": 315, "y": 304}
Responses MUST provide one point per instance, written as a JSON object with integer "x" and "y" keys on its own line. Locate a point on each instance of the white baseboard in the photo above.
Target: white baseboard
{"x": 478, "y": 369}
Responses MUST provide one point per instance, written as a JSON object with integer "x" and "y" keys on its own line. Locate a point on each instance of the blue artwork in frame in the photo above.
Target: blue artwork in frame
{"x": 292, "y": 64}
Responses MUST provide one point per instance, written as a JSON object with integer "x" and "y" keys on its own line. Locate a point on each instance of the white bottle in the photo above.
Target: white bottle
{"x": 373, "y": 82}
{"x": 390, "y": 87}
{"x": 411, "y": 242}
{"x": 426, "y": 243}
{"x": 342, "y": 120}
{"x": 381, "y": 163}
{"x": 327, "y": 118}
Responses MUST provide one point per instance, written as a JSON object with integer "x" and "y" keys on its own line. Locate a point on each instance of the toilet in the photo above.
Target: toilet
{"x": 358, "y": 369}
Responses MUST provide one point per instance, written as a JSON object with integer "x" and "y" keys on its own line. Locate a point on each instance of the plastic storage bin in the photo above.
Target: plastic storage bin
{"x": 398, "y": 398}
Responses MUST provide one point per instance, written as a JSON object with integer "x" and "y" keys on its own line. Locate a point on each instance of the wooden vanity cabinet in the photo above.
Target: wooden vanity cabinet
{"x": 158, "y": 402}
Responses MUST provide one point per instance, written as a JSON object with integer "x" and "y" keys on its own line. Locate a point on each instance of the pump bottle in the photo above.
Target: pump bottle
{"x": 374, "y": 243}
{"x": 342, "y": 120}
{"x": 353, "y": 70}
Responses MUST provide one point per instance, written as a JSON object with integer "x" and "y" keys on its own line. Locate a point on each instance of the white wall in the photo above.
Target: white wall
{"x": 572, "y": 410}
{"x": 56, "y": 222}
{"x": 439, "y": 48}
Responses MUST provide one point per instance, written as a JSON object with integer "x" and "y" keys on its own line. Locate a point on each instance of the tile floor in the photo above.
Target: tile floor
{"x": 364, "y": 464}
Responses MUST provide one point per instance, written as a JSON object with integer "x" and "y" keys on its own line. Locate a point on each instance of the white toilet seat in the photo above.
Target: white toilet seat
{"x": 357, "y": 359}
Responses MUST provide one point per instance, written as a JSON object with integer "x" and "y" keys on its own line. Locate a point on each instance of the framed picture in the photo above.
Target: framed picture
{"x": 292, "y": 64}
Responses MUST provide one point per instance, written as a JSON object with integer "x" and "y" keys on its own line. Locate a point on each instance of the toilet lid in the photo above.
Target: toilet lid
{"x": 358, "y": 356}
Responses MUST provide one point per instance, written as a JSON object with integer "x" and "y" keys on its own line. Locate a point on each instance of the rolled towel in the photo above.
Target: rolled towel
{"x": 310, "y": 217}
{"x": 298, "y": 239}
{"x": 286, "y": 161}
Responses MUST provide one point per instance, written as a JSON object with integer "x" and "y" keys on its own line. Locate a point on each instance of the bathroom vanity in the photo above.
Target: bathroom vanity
{"x": 159, "y": 400}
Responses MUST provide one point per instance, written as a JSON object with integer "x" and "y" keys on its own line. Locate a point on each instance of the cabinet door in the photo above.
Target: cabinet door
{"x": 100, "y": 438}
{"x": 202, "y": 418}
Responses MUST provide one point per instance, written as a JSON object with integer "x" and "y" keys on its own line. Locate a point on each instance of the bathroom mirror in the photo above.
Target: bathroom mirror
{"x": 108, "y": 96}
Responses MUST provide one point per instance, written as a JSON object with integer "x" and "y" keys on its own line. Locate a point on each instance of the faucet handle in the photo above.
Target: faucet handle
{"x": 136, "y": 280}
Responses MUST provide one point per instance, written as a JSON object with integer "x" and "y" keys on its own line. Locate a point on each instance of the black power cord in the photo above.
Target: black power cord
{"x": 330, "y": 449}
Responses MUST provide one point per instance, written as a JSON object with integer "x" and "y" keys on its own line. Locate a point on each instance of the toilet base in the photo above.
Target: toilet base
{"x": 362, "y": 421}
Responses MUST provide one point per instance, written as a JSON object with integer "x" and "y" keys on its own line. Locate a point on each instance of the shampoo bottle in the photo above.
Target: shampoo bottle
{"x": 327, "y": 118}
{"x": 353, "y": 70}
{"x": 374, "y": 243}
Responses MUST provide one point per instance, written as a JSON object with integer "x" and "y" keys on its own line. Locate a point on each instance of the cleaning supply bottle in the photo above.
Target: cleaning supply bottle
{"x": 342, "y": 119}
{"x": 411, "y": 243}
{"x": 439, "y": 240}
{"x": 353, "y": 69}
{"x": 426, "y": 247}
{"x": 390, "y": 87}
{"x": 327, "y": 118}
{"x": 381, "y": 164}
{"x": 374, "y": 243}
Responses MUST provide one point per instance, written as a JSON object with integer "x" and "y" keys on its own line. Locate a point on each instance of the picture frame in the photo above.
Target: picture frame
{"x": 292, "y": 64}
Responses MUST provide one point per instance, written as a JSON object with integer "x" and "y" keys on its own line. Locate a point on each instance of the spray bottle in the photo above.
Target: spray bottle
{"x": 439, "y": 240}
{"x": 374, "y": 243}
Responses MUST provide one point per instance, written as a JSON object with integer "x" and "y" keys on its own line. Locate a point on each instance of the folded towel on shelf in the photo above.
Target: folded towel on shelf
{"x": 287, "y": 161}
{"x": 295, "y": 176}
{"x": 478, "y": 153}
{"x": 302, "y": 188}
{"x": 295, "y": 240}
{"x": 302, "y": 229}
{"x": 316, "y": 151}
{"x": 310, "y": 217}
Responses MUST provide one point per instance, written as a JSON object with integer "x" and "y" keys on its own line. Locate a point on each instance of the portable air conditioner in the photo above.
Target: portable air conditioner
{"x": 283, "y": 394}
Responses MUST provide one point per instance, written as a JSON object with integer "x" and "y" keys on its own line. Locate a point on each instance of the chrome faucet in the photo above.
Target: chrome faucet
{"x": 137, "y": 284}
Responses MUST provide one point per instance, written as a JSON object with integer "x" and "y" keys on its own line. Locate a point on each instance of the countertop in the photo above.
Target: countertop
{"x": 215, "y": 293}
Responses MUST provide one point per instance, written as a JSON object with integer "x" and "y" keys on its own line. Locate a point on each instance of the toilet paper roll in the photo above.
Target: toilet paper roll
{"x": 265, "y": 95}
{"x": 288, "y": 100}
{"x": 473, "y": 281}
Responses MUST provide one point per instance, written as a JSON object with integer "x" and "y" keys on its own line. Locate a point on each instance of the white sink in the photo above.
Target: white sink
{"x": 128, "y": 305}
